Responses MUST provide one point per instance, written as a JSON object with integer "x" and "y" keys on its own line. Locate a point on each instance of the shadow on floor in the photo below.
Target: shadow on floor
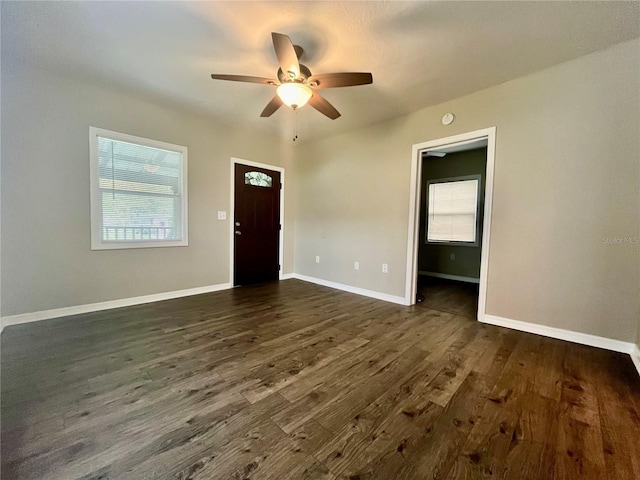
{"x": 460, "y": 298}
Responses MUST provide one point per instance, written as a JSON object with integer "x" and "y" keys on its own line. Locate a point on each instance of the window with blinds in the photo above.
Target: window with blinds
{"x": 138, "y": 192}
{"x": 452, "y": 211}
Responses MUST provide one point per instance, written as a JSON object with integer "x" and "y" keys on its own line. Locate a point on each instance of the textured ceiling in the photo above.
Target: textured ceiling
{"x": 420, "y": 53}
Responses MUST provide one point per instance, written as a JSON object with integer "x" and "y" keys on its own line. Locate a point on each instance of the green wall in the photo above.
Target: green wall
{"x": 437, "y": 258}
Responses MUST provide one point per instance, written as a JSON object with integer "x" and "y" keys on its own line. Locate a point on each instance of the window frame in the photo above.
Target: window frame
{"x": 97, "y": 243}
{"x": 479, "y": 201}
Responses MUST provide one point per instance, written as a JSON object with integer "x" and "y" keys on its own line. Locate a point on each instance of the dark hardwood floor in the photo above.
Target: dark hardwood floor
{"x": 460, "y": 298}
{"x": 296, "y": 381}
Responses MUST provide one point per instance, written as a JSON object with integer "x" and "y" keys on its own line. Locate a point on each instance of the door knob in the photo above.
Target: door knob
{"x": 237, "y": 224}
{"x": 238, "y": 232}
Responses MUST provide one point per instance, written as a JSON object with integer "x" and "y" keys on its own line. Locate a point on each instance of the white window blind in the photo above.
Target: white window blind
{"x": 452, "y": 211}
{"x": 138, "y": 192}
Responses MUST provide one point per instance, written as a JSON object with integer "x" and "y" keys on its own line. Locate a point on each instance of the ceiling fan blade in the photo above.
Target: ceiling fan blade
{"x": 245, "y": 78}
{"x": 333, "y": 80}
{"x": 271, "y": 107}
{"x": 323, "y": 106}
{"x": 286, "y": 54}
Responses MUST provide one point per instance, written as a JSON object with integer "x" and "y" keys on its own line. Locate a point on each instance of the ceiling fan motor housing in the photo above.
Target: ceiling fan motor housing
{"x": 305, "y": 73}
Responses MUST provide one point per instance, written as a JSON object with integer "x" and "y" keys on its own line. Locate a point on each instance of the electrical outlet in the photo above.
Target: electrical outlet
{"x": 452, "y": 256}
{"x": 222, "y": 215}
{"x": 356, "y": 265}
{"x": 317, "y": 259}
{"x": 385, "y": 268}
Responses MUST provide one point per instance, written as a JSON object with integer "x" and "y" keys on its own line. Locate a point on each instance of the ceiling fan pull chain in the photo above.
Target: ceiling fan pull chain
{"x": 295, "y": 124}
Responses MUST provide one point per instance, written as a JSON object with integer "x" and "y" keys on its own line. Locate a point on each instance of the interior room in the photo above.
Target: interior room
{"x": 320, "y": 240}
{"x": 452, "y": 197}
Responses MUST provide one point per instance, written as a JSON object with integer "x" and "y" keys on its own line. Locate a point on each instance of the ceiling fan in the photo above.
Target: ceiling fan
{"x": 296, "y": 84}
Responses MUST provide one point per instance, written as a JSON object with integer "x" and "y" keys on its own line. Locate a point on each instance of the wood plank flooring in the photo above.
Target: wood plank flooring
{"x": 296, "y": 381}
{"x": 450, "y": 296}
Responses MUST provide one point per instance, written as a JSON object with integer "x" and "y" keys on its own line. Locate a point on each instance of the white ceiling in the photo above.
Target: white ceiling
{"x": 420, "y": 53}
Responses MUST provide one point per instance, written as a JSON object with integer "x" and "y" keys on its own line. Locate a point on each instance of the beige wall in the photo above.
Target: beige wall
{"x": 46, "y": 257}
{"x": 567, "y": 174}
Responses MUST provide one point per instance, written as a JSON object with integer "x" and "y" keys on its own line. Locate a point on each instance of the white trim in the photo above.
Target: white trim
{"x": 449, "y": 277}
{"x": 635, "y": 357}
{"x": 96, "y": 307}
{"x": 552, "y": 332}
{"x": 561, "y": 334}
{"x": 96, "y": 203}
{"x": 348, "y": 288}
{"x": 414, "y": 209}
{"x": 413, "y": 228}
{"x": 232, "y": 204}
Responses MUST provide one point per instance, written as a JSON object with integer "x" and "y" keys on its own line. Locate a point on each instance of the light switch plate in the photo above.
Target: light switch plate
{"x": 222, "y": 215}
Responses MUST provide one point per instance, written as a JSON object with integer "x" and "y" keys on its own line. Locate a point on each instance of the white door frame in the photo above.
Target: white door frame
{"x": 232, "y": 216}
{"x": 414, "y": 209}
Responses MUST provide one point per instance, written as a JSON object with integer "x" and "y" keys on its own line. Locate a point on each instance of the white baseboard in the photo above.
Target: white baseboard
{"x": 449, "y": 277}
{"x": 96, "y": 307}
{"x": 348, "y": 288}
{"x": 561, "y": 334}
{"x": 635, "y": 357}
{"x": 552, "y": 332}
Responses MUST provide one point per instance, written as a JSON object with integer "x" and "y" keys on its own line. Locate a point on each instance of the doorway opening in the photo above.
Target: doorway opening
{"x": 450, "y": 232}
{"x": 449, "y": 223}
{"x": 256, "y": 222}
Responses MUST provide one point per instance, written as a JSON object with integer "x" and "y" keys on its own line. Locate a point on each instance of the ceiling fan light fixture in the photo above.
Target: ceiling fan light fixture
{"x": 295, "y": 81}
{"x": 294, "y": 95}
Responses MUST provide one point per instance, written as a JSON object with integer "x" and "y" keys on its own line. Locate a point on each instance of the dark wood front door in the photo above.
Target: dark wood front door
{"x": 256, "y": 225}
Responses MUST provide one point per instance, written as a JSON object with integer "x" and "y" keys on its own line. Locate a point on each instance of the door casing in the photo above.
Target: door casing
{"x": 411, "y": 280}
{"x": 232, "y": 212}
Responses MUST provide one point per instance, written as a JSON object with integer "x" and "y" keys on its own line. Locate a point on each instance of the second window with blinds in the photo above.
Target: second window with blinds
{"x": 452, "y": 210}
{"x": 138, "y": 192}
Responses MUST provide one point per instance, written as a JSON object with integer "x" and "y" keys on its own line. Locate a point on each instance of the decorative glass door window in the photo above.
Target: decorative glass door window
{"x": 452, "y": 210}
{"x": 258, "y": 179}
